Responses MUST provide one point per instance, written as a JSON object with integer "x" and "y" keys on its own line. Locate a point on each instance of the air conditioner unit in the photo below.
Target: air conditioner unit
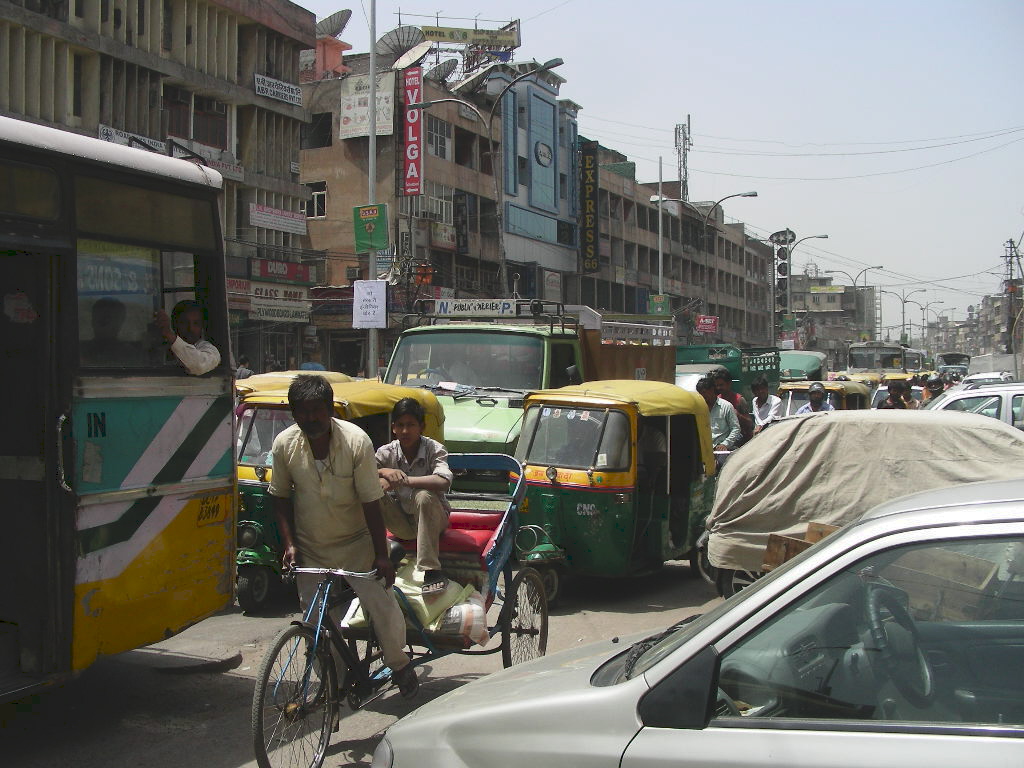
{"x": 352, "y": 273}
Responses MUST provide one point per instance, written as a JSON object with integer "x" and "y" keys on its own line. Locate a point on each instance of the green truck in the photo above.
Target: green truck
{"x": 745, "y": 365}
{"x": 481, "y": 356}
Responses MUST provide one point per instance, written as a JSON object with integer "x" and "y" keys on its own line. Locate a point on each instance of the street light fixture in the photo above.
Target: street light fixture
{"x": 789, "y": 281}
{"x": 903, "y": 297}
{"x": 704, "y": 250}
{"x": 496, "y": 157}
{"x": 924, "y": 316}
{"x": 854, "y": 280}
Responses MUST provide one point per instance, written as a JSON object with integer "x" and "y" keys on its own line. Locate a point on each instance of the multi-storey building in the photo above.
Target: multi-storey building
{"x": 211, "y": 80}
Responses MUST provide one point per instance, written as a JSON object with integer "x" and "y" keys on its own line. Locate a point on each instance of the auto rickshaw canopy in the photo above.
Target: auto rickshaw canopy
{"x": 842, "y": 387}
{"x": 277, "y": 381}
{"x": 649, "y": 398}
{"x": 355, "y": 399}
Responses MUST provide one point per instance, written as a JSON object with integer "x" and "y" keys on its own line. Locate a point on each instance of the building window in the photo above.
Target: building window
{"x": 563, "y": 186}
{"x": 316, "y": 206}
{"x": 76, "y": 86}
{"x": 210, "y": 123}
{"x": 815, "y": 298}
{"x": 317, "y": 133}
{"x": 439, "y": 137}
{"x": 177, "y": 104}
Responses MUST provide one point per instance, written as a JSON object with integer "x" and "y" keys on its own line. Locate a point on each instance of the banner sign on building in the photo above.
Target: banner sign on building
{"x": 280, "y": 271}
{"x": 238, "y": 294}
{"x": 369, "y": 304}
{"x": 370, "y": 227}
{"x": 442, "y": 236}
{"x": 117, "y": 136}
{"x": 485, "y": 38}
{"x": 278, "y": 89}
{"x": 274, "y": 218}
{"x": 412, "y": 85}
{"x": 279, "y": 303}
{"x": 827, "y": 289}
{"x": 460, "y": 219}
{"x": 355, "y": 105}
{"x": 658, "y": 304}
{"x": 589, "y": 234}
{"x": 707, "y": 324}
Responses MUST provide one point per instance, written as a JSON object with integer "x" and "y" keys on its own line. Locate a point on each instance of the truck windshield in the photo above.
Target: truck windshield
{"x": 472, "y": 358}
{"x": 575, "y": 438}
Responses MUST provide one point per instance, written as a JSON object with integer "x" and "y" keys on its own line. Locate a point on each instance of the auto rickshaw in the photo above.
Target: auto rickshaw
{"x": 263, "y": 412}
{"x": 869, "y": 379}
{"x": 842, "y": 395}
{"x": 620, "y": 477}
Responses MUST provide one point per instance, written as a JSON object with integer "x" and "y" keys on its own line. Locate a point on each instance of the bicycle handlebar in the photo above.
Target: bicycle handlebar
{"x": 334, "y": 572}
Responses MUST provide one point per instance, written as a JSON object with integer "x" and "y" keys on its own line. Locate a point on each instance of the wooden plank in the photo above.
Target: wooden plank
{"x": 782, "y": 548}
{"x": 818, "y": 531}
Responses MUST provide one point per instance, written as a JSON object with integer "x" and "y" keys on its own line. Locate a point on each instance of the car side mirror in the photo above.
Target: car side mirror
{"x": 573, "y": 372}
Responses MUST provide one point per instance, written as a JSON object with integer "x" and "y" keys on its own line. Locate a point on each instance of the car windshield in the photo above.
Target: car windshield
{"x": 472, "y": 358}
{"x": 876, "y": 359}
{"x": 575, "y": 438}
{"x": 257, "y": 429}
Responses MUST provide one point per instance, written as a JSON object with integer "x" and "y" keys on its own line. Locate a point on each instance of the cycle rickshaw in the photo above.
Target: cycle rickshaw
{"x": 301, "y": 684}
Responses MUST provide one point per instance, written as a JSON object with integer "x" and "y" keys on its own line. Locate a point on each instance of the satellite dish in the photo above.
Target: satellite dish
{"x": 412, "y": 56}
{"x": 398, "y": 41}
{"x": 443, "y": 70}
{"x": 333, "y": 24}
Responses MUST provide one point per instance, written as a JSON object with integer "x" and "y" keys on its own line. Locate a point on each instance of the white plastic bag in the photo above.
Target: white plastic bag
{"x": 466, "y": 619}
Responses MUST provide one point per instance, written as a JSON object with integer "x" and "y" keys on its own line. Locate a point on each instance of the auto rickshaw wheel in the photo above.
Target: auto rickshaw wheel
{"x": 552, "y": 581}
{"x": 524, "y": 619}
{"x": 700, "y": 565}
{"x": 729, "y": 582}
{"x": 253, "y": 587}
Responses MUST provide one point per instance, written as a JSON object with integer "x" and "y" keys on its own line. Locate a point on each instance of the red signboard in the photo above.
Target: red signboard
{"x": 280, "y": 271}
{"x": 707, "y": 324}
{"x": 413, "y": 86}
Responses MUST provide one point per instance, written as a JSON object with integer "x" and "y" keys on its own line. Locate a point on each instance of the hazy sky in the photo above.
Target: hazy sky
{"x": 895, "y": 128}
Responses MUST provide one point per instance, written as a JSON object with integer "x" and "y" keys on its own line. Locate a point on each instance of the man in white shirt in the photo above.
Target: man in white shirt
{"x": 183, "y": 332}
{"x": 766, "y": 406}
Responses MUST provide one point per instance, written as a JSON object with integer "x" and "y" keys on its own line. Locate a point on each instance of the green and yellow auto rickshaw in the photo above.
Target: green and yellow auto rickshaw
{"x": 263, "y": 412}
{"x": 620, "y": 476}
{"x": 841, "y": 395}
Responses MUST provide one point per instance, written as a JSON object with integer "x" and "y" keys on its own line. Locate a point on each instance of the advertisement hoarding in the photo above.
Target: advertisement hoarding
{"x": 589, "y": 233}
{"x": 355, "y": 106}
{"x": 412, "y": 86}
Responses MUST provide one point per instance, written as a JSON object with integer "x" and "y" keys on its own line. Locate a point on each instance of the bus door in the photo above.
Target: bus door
{"x": 33, "y": 384}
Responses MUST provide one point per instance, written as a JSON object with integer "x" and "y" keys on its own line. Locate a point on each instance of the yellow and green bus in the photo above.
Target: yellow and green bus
{"x": 116, "y": 465}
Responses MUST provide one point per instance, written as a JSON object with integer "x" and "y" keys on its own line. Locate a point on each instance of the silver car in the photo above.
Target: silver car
{"x": 898, "y": 641}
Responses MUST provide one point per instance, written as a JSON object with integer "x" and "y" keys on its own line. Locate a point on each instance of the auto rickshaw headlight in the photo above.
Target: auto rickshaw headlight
{"x": 551, "y": 474}
{"x": 248, "y": 536}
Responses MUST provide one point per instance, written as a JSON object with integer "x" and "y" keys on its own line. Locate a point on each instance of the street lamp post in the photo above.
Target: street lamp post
{"x": 903, "y": 297}
{"x": 706, "y": 260}
{"x": 855, "y": 294}
{"x": 789, "y": 281}
{"x": 496, "y": 157}
{"x": 924, "y": 316}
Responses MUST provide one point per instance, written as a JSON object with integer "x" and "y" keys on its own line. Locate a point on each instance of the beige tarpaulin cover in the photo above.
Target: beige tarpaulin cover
{"x": 832, "y": 467}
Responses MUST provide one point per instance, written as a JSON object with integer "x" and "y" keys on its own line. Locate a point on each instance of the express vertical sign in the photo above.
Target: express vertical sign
{"x": 589, "y": 235}
{"x": 412, "y": 83}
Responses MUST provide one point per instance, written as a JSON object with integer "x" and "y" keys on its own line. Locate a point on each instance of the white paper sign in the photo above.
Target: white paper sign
{"x": 370, "y": 304}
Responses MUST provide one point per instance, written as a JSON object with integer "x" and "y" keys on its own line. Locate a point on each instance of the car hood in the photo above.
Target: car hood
{"x": 551, "y": 699}
{"x": 469, "y": 426}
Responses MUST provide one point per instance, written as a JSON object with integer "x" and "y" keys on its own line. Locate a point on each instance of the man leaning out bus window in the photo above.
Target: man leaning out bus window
{"x": 183, "y": 333}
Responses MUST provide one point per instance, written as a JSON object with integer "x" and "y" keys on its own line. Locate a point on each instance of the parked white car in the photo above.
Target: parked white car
{"x": 897, "y": 641}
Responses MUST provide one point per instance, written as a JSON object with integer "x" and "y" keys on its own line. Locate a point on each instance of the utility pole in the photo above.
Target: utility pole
{"x": 683, "y": 144}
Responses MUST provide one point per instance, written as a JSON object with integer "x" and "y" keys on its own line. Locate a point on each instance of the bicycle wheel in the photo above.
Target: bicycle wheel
{"x": 294, "y": 702}
{"x": 524, "y": 619}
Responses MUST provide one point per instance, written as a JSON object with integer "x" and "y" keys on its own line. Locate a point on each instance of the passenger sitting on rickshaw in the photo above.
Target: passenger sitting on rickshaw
{"x": 414, "y": 473}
